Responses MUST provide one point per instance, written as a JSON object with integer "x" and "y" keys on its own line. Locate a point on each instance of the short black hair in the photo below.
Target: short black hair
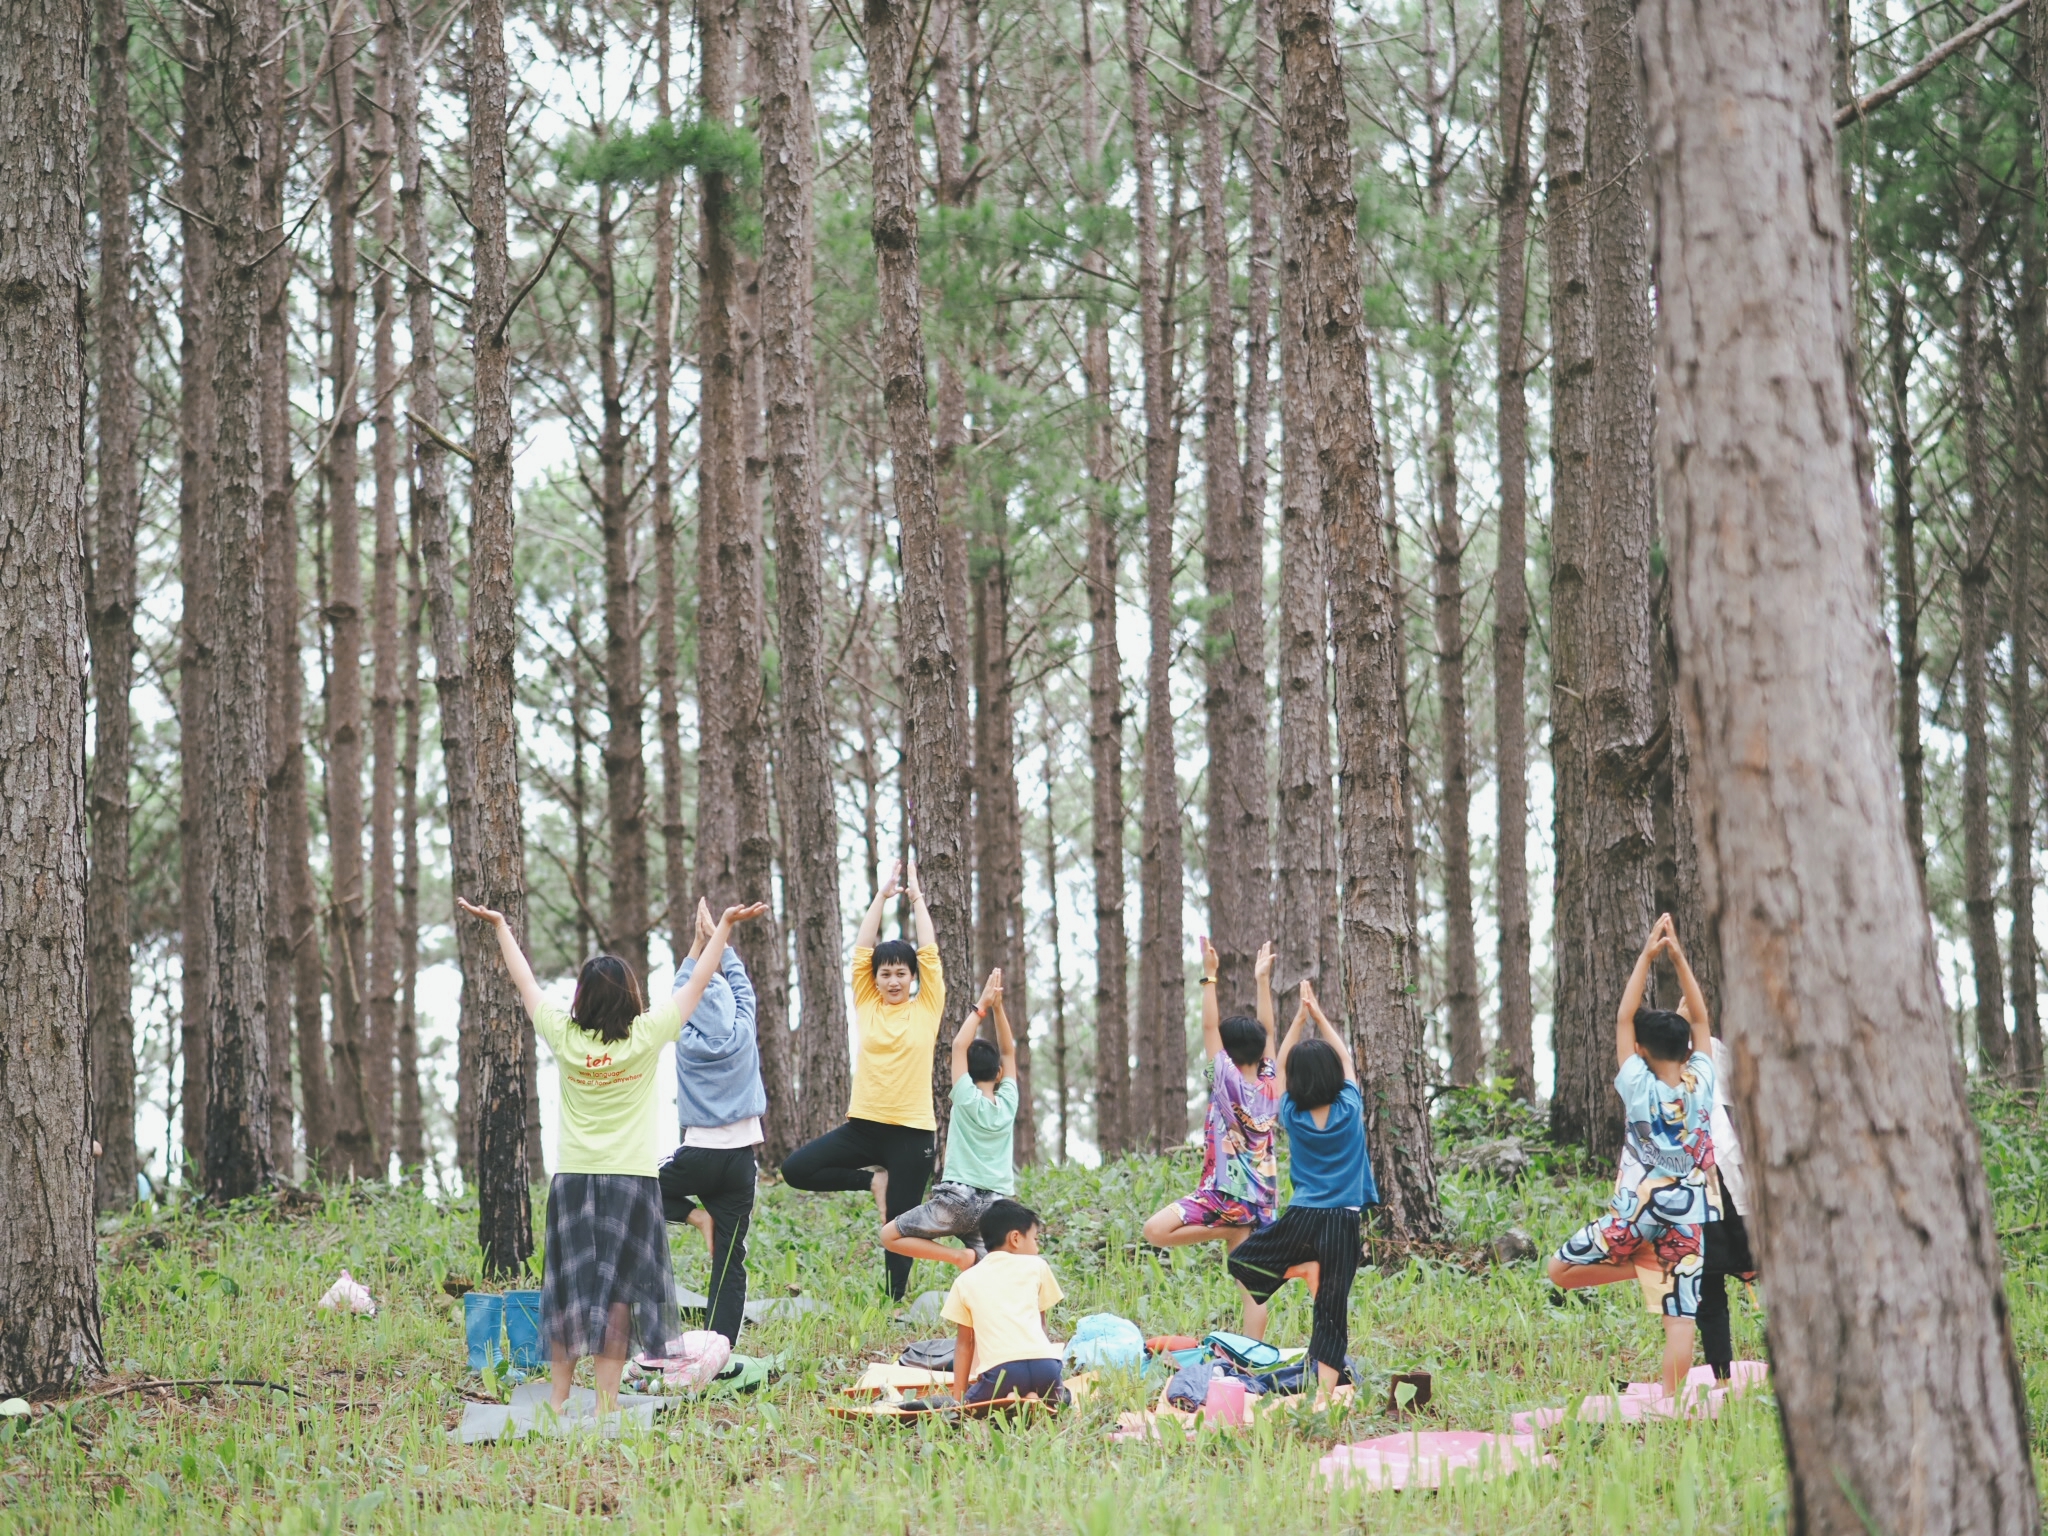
{"x": 1664, "y": 1034}
{"x": 984, "y": 1063}
{"x": 1244, "y": 1040}
{"x": 1315, "y": 1074}
{"x": 894, "y": 952}
{"x": 1003, "y": 1218}
{"x": 607, "y": 998}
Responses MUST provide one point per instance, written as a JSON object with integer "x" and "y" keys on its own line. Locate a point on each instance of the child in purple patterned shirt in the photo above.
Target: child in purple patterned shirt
{"x": 1240, "y": 1167}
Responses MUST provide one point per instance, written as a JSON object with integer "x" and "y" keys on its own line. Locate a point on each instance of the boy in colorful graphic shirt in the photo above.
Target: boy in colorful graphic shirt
{"x": 1240, "y": 1185}
{"x": 1667, "y": 1191}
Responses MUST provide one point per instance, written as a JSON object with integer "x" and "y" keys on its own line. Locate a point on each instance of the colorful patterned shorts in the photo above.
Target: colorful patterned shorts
{"x": 1213, "y": 1208}
{"x": 1658, "y": 1229}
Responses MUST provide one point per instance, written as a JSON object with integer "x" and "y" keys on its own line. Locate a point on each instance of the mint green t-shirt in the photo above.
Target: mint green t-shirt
{"x": 978, "y": 1145}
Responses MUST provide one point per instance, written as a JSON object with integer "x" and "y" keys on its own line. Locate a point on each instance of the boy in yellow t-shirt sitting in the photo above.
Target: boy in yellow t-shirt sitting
{"x": 999, "y": 1307}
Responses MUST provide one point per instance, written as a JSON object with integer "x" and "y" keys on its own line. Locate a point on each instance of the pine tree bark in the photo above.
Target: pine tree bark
{"x": 1115, "y": 1124}
{"x": 625, "y": 772}
{"x": 719, "y": 465}
{"x": 1447, "y": 590}
{"x": 680, "y": 906}
{"x": 1515, "y": 1045}
{"x": 805, "y": 763}
{"x": 354, "y": 1144}
{"x": 281, "y": 617}
{"x": 999, "y": 838}
{"x": 429, "y": 511}
{"x": 382, "y": 1035}
{"x": 49, "y": 1292}
{"x": 951, "y": 32}
{"x": 111, "y": 632}
{"x": 504, "y": 1037}
{"x": 410, "y": 1130}
{"x": 1980, "y": 900}
{"x": 238, "y": 1147}
{"x": 936, "y": 716}
{"x": 1898, "y": 349}
{"x": 1323, "y": 268}
{"x": 1891, "y": 1342}
{"x": 1161, "y": 1096}
{"x": 1601, "y": 649}
{"x": 195, "y": 620}
{"x": 1234, "y": 629}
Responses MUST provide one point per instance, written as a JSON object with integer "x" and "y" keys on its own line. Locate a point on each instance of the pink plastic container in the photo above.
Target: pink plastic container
{"x": 1227, "y": 1402}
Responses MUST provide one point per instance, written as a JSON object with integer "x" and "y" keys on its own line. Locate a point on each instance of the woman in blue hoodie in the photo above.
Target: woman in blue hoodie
{"x": 709, "y": 1181}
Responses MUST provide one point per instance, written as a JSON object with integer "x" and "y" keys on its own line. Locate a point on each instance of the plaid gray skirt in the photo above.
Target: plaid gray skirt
{"x": 607, "y": 1287}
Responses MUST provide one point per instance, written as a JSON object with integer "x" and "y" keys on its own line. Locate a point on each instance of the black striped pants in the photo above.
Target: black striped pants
{"x": 1330, "y": 1237}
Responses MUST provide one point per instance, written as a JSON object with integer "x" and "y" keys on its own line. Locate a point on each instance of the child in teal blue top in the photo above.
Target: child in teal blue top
{"x": 979, "y": 1139}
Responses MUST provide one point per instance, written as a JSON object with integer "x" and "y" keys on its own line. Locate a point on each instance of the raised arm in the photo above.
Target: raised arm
{"x": 1329, "y": 1032}
{"x": 1262, "y": 968}
{"x": 1293, "y": 1039}
{"x": 1212, "y": 1011}
{"x": 1006, "y": 1039}
{"x": 514, "y": 956}
{"x": 920, "y": 914}
{"x": 970, "y": 1027}
{"x": 691, "y": 992}
{"x": 1632, "y": 994}
{"x": 871, "y": 925}
{"x": 1695, "y": 1000}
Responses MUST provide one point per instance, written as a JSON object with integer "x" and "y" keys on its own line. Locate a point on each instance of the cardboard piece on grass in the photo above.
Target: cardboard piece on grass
{"x": 348, "y": 1295}
{"x": 529, "y": 1413}
{"x": 1428, "y": 1458}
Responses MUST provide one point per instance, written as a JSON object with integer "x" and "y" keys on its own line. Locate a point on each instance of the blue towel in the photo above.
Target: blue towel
{"x": 718, "y": 1061}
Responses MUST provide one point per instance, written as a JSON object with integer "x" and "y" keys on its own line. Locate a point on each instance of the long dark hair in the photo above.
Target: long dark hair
{"x": 607, "y": 998}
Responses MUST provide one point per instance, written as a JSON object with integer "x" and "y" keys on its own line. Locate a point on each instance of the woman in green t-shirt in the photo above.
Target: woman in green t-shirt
{"x": 607, "y": 1286}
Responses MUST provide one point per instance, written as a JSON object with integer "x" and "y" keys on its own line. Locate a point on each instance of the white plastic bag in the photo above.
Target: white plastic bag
{"x": 348, "y": 1294}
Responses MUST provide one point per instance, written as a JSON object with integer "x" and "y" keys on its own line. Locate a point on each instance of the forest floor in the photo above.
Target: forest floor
{"x": 364, "y": 1443}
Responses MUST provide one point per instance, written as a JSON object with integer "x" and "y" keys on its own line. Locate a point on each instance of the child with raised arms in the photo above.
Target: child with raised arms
{"x": 1667, "y": 1191}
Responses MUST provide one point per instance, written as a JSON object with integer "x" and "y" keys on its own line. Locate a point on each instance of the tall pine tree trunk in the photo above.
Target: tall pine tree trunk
{"x": 281, "y": 619}
{"x": 195, "y": 619}
{"x": 354, "y": 1143}
{"x": 382, "y": 1035}
{"x": 1447, "y": 588}
{"x": 805, "y": 763}
{"x": 111, "y": 631}
{"x": 936, "y": 713}
{"x": 999, "y": 839}
{"x": 681, "y": 907}
{"x": 1980, "y": 899}
{"x": 49, "y": 1292}
{"x": 1161, "y": 1097}
{"x": 504, "y": 1036}
{"x": 625, "y": 772}
{"x": 1234, "y": 637}
{"x": 410, "y": 1136}
{"x": 1323, "y": 268}
{"x": 238, "y": 1147}
{"x": 1115, "y": 1117}
{"x": 1516, "y": 1055}
{"x": 1898, "y": 1390}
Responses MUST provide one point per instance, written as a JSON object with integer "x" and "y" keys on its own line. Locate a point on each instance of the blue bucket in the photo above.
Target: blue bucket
{"x": 522, "y": 1330}
{"x": 483, "y": 1320}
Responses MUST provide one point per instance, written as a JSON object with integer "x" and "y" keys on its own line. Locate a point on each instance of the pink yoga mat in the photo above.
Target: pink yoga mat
{"x": 1427, "y": 1458}
{"x": 1700, "y": 1397}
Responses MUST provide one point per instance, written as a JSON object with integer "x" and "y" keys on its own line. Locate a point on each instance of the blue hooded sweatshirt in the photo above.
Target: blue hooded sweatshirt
{"x": 718, "y": 1062}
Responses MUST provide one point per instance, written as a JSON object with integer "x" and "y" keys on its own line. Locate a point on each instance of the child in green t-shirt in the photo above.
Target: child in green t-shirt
{"x": 978, "y": 1161}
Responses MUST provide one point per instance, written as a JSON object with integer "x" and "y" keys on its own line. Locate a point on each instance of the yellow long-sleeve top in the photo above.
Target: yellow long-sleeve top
{"x": 892, "y": 1076}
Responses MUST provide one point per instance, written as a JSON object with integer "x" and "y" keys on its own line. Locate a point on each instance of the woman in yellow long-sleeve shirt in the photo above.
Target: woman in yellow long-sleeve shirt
{"x": 889, "y": 1140}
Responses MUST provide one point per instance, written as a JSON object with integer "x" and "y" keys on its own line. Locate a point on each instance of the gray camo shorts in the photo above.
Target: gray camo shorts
{"x": 952, "y": 1209}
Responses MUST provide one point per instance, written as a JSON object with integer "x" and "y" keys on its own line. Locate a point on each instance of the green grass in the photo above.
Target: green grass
{"x": 364, "y": 1446}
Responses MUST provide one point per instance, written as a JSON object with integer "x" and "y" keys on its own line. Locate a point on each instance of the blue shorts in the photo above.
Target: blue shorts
{"x": 1017, "y": 1378}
